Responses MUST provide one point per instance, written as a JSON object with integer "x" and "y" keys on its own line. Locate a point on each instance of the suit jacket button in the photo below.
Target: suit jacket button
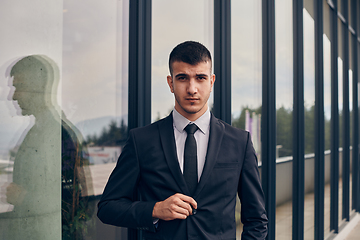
{"x": 194, "y": 211}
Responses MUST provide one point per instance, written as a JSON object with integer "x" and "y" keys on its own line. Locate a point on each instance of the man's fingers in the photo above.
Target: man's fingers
{"x": 188, "y": 199}
{"x": 185, "y": 206}
{"x": 182, "y": 210}
{"x": 177, "y": 206}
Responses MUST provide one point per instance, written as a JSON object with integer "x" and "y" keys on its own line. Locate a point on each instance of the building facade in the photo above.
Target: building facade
{"x": 75, "y": 76}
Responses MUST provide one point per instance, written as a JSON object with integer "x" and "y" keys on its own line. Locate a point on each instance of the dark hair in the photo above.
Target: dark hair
{"x": 190, "y": 52}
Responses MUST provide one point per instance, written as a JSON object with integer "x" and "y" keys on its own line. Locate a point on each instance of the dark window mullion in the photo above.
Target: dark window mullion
{"x": 355, "y": 132}
{"x": 345, "y": 118}
{"x": 222, "y": 60}
{"x": 139, "y": 113}
{"x": 298, "y": 122}
{"x": 334, "y": 124}
{"x": 139, "y": 63}
{"x": 268, "y": 119}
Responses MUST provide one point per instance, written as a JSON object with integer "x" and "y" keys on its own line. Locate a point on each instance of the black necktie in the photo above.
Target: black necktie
{"x": 190, "y": 158}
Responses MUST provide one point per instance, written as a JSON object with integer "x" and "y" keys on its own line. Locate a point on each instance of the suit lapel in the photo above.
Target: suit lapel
{"x": 215, "y": 139}
{"x": 166, "y": 130}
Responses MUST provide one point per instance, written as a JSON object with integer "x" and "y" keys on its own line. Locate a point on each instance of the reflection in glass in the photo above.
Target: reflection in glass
{"x": 246, "y": 73}
{"x": 327, "y": 108}
{"x": 284, "y": 108}
{"x": 309, "y": 110}
{"x": 94, "y": 98}
{"x": 340, "y": 89}
{"x": 168, "y": 30}
{"x": 351, "y": 131}
{"x": 32, "y": 191}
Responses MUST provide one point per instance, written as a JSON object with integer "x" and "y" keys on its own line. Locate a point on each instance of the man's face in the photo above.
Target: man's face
{"x": 191, "y": 85}
{"x": 21, "y": 97}
{"x": 26, "y": 100}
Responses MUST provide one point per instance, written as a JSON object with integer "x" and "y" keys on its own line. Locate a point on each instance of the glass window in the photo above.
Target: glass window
{"x": 340, "y": 102}
{"x": 309, "y": 114}
{"x": 94, "y": 103}
{"x": 30, "y": 131}
{"x": 64, "y": 115}
{"x": 340, "y": 6}
{"x": 351, "y": 114}
{"x": 327, "y": 110}
{"x": 168, "y": 30}
{"x": 284, "y": 114}
{"x": 246, "y": 86}
{"x": 246, "y": 73}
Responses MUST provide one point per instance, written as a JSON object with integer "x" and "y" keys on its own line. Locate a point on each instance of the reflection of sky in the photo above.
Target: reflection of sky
{"x": 246, "y": 85}
{"x": 340, "y": 83}
{"x": 309, "y": 60}
{"x": 327, "y": 76}
{"x": 28, "y": 27}
{"x": 94, "y": 38}
{"x": 284, "y": 54}
{"x": 174, "y": 22}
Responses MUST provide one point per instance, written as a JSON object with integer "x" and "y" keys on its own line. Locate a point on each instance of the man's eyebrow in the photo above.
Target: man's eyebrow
{"x": 201, "y": 75}
{"x": 181, "y": 75}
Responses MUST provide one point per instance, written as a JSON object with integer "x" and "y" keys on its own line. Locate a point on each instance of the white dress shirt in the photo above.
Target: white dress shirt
{"x": 201, "y": 137}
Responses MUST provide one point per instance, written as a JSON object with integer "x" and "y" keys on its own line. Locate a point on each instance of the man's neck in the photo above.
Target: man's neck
{"x": 192, "y": 117}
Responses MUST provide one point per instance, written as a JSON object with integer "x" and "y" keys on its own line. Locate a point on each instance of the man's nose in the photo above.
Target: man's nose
{"x": 192, "y": 87}
{"x": 14, "y": 95}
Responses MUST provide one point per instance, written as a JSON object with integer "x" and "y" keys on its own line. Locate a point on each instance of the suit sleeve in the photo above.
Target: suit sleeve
{"x": 119, "y": 205}
{"x": 253, "y": 214}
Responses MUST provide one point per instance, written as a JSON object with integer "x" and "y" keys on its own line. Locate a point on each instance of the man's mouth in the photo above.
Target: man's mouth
{"x": 192, "y": 99}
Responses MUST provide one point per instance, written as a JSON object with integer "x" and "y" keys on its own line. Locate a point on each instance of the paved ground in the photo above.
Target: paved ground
{"x": 354, "y": 234}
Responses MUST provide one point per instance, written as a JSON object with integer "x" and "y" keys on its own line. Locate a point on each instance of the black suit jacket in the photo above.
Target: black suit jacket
{"x": 148, "y": 166}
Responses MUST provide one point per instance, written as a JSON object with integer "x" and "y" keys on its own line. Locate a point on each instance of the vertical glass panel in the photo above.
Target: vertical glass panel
{"x": 94, "y": 110}
{"x": 30, "y": 128}
{"x": 349, "y": 12}
{"x": 168, "y": 30}
{"x": 340, "y": 102}
{"x": 309, "y": 110}
{"x": 340, "y": 6}
{"x": 327, "y": 109}
{"x": 246, "y": 75}
{"x": 351, "y": 131}
{"x": 246, "y": 68}
{"x": 284, "y": 114}
{"x": 351, "y": 113}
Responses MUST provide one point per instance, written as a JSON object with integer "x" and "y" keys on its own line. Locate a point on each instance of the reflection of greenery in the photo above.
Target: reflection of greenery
{"x": 284, "y": 128}
{"x": 240, "y": 121}
{"x": 112, "y": 135}
{"x": 75, "y": 207}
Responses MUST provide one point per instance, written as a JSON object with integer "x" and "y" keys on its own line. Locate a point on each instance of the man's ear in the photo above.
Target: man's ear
{"x": 212, "y": 80}
{"x": 170, "y": 83}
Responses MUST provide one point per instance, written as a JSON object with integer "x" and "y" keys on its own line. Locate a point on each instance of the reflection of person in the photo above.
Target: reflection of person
{"x": 155, "y": 160}
{"x": 35, "y": 190}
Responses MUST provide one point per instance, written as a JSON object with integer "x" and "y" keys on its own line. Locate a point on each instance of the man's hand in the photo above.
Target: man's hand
{"x": 177, "y": 206}
{"x": 15, "y": 194}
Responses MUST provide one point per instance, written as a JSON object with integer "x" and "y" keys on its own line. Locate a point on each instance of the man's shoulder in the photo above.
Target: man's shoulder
{"x": 167, "y": 121}
{"x": 229, "y": 128}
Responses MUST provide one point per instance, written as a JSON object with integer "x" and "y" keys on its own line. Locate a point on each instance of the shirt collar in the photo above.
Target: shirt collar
{"x": 203, "y": 122}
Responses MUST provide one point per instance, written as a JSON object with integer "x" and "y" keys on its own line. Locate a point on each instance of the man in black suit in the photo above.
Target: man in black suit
{"x": 188, "y": 167}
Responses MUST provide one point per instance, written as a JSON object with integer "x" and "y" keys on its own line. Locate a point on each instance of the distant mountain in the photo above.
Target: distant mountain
{"x": 96, "y": 125}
